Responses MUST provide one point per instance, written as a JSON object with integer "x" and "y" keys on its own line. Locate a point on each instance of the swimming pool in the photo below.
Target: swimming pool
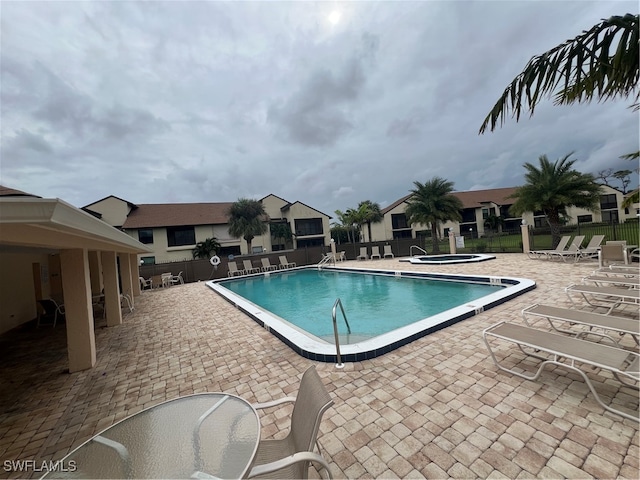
{"x": 271, "y": 301}
{"x": 449, "y": 258}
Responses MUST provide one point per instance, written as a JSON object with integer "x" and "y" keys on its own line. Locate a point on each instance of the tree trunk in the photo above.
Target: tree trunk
{"x": 553, "y": 218}
{"x": 369, "y": 229}
{"x": 434, "y": 238}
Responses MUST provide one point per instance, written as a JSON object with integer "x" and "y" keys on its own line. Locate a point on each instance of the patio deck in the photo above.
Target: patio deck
{"x": 436, "y": 408}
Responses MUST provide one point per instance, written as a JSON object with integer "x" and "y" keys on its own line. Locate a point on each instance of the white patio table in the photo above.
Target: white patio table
{"x": 207, "y": 435}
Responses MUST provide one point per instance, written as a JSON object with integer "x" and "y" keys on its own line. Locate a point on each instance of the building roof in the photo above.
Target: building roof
{"x": 471, "y": 199}
{"x": 12, "y": 192}
{"x": 131, "y": 205}
{"x": 178, "y": 214}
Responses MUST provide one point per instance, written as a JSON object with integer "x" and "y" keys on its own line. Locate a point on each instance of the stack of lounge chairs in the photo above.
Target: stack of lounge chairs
{"x": 573, "y": 252}
{"x": 581, "y": 340}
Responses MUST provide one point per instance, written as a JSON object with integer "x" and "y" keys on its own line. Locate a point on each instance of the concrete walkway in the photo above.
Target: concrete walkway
{"x": 436, "y": 408}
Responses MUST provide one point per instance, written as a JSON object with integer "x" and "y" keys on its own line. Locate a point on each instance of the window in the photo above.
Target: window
{"x": 608, "y": 201}
{"x": 540, "y": 222}
{"x": 148, "y": 260}
{"x": 308, "y": 226}
{"x": 469, "y": 215}
{"x": 585, "y": 218}
{"x": 145, "y": 235}
{"x": 310, "y": 242}
{"x": 485, "y": 213}
{"x": 398, "y": 221}
{"x": 402, "y": 234}
{"x": 178, "y": 236}
{"x": 610, "y": 216}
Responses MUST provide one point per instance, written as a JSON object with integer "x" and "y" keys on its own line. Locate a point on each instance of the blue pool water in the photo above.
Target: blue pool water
{"x": 386, "y": 309}
{"x": 374, "y": 304}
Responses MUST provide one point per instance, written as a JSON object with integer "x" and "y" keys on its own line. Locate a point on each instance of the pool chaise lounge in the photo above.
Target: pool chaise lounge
{"x": 609, "y": 297}
{"x": 590, "y": 320}
{"x": 538, "y": 254}
{"x": 631, "y": 282}
{"x": 573, "y": 252}
{"x": 569, "y": 352}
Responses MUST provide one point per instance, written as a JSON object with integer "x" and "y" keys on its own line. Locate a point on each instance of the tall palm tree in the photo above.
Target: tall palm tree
{"x": 600, "y": 63}
{"x": 371, "y": 214}
{"x": 281, "y": 231}
{"x": 358, "y": 218}
{"x": 432, "y": 203}
{"x": 246, "y": 219}
{"x": 551, "y": 188}
{"x": 346, "y": 221}
{"x": 206, "y": 248}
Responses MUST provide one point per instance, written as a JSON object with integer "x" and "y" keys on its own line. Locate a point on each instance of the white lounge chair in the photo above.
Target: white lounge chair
{"x": 248, "y": 267}
{"x": 618, "y": 270}
{"x": 571, "y": 253}
{"x": 175, "y": 279}
{"x": 266, "y": 265}
{"x": 570, "y": 353}
{"x": 375, "y": 253}
{"x": 146, "y": 283}
{"x": 588, "y": 320}
{"x": 610, "y": 297}
{"x": 592, "y": 248}
{"x": 285, "y": 263}
{"x": 291, "y": 456}
{"x": 233, "y": 269}
{"x": 537, "y": 254}
{"x": 388, "y": 252}
{"x": 603, "y": 280}
{"x": 363, "y": 254}
{"x": 49, "y": 308}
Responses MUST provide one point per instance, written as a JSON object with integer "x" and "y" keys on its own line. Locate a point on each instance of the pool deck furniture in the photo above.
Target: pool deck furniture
{"x": 285, "y": 263}
{"x": 592, "y": 248}
{"x": 205, "y": 435}
{"x": 290, "y": 457}
{"x": 176, "y": 279}
{"x": 538, "y": 254}
{"x": 363, "y": 254}
{"x": 266, "y": 265}
{"x": 146, "y": 283}
{"x": 571, "y": 253}
{"x": 375, "y": 252}
{"x": 249, "y": 268}
{"x": 388, "y": 253}
{"x": 48, "y": 308}
{"x": 233, "y": 269}
{"x": 569, "y": 352}
{"x": 609, "y": 297}
{"x": 618, "y": 270}
{"x": 603, "y": 280}
{"x": 607, "y": 323}
{"x": 612, "y": 253}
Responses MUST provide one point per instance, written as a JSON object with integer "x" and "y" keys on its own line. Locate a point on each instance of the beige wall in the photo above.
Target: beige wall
{"x": 114, "y": 211}
{"x": 17, "y": 292}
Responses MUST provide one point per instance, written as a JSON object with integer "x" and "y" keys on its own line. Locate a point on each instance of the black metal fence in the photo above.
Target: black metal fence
{"x": 629, "y": 231}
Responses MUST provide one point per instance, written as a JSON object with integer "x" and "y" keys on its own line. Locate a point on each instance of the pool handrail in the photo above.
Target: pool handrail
{"x": 416, "y": 246}
{"x": 339, "y": 363}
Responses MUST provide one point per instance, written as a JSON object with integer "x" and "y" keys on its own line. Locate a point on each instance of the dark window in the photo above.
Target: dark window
{"x": 148, "y": 260}
{"x": 402, "y": 234}
{"x": 226, "y": 251}
{"x": 145, "y": 235}
{"x": 469, "y": 215}
{"x": 608, "y": 201}
{"x": 310, "y": 242}
{"x": 540, "y": 222}
{"x": 399, "y": 220}
{"x": 309, "y": 226}
{"x": 610, "y": 216}
{"x": 485, "y": 213}
{"x": 178, "y": 236}
{"x": 585, "y": 218}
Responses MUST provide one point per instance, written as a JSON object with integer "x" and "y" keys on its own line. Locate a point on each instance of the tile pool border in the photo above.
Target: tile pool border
{"x": 317, "y": 350}
{"x": 433, "y": 259}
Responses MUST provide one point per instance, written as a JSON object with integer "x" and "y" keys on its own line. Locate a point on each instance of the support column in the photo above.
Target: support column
{"x": 452, "y": 242}
{"x": 125, "y": 275}
{"x": 76, "y": 286}
{"x": 94, "y": 270}
{"x": 135, "y": 274}
{"x": 111, "y": 289}
{"x": 526, "y": 243}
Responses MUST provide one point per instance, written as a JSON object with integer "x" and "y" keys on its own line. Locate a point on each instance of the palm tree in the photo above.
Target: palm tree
{"x": 207, "y": 248}
{"x": 281, "y": 231}
{"x": 600, "y": 63}
{"x": 371, "y": 214}
{"x": 551, "y": 188}
{"x": 246, "y": 220}
{"x": 358, "y": 218}
{"x": 494, "y": 222}
{"x": 346, "y": 221}
{"x": 432, "y": 203}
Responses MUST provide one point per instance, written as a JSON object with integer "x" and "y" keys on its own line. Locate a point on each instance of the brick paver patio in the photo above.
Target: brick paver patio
{"x": 437, "y": 408}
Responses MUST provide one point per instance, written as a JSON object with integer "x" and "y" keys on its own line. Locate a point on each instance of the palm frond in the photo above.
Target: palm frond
{"x": 601, "y": 63}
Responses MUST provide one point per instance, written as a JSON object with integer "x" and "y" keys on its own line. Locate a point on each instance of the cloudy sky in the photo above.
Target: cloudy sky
{"x": 328, "y": 103}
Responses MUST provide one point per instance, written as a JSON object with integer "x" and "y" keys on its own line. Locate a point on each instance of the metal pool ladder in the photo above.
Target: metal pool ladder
{"x": 335, "y": 329}
{"x": 418, "y": 248}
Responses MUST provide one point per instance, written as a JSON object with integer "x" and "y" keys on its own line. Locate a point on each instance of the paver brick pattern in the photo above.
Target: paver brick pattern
{"x": 436, "y": 408}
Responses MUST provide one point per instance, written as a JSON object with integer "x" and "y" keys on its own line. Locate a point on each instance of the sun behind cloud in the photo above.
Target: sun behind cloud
{"x": 334, "y": 17}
